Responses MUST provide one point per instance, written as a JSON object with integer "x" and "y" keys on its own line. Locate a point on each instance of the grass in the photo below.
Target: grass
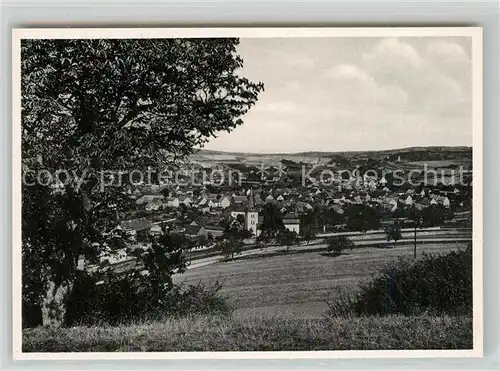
{"x": 264, "y": 333}
{"x": 298, "y": 285}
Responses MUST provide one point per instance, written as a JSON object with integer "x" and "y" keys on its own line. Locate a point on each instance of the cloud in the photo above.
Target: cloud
{"x": 331, "y": 94}
{"x": 356, "y": 87}
{"x": 395, "y": 52}
{"x": 431, "y": 86}
{"x": 448, "y": 52}
{"x": 349, "y": 72}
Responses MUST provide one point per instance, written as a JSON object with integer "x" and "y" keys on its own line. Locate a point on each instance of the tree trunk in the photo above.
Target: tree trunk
{"x": 54, "y": 304}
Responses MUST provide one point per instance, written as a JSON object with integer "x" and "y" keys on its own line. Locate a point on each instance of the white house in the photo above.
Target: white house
{"x": 446, "y": 202}
{"x": 173, "y": 202}
{"x": 409, "y": 201}
{"x": 225, "y": 202}
{"x": 292, "y": 223}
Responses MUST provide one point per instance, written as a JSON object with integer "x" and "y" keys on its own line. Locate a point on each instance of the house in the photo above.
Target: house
{"x": 303, "y": 207}
{"x": 173, "y": 202}
{"x": 136, "y": 228}
{"x": 203, "y": 202}
{"x": 213, "y": 200}
{"x": 292, "y": 223}
{"x": 225, "y": 202}
{"x": 391, "y": 204}
{"x": 213, "y": 230}
{"x": 156, "y": 230}
{"x": 235, "y": 211}
{"x": 240, "y": 199}
{"x": 144, "y": 200}
{"x": 446, "y": 202}
{"x": 193, "y": 231}
{"x": 409, "y": 201}
{"x": 154, "y": 205}
{"x": 185, "y": 200}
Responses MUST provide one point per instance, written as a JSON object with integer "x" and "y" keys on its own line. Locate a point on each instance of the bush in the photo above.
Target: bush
{"x": 122, "y": 301}
{"x": 436, "y": 284}
{"x": 336, "y": 244}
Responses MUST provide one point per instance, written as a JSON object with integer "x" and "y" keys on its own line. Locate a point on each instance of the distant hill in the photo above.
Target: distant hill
{"x": 406, "y": 154}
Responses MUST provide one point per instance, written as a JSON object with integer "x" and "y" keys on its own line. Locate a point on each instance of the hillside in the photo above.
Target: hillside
{"x": 406, "y": 154}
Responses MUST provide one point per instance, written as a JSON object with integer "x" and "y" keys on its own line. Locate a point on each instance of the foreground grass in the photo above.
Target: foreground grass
{"x": 210, "y": 333}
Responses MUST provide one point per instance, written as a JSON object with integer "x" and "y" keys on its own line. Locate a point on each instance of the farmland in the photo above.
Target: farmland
{"x": 299, "y": 285}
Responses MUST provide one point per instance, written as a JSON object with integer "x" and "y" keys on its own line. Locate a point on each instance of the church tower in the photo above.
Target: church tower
{"x": 252, "y": 217}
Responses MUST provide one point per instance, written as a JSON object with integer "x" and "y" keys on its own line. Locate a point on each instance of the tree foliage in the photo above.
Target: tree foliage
{"x": 288, "y": 238}
{"x": 336, "y": 244}
{"x": 95, "y": 106}
{"x": 272, "y": 220}
{"x": 362, "y": 218}
{"x": 393, "y": 232}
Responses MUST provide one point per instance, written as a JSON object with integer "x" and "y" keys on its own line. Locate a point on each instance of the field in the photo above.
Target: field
{"x": 280, "y": 303}
{"x": 298, "y": 285}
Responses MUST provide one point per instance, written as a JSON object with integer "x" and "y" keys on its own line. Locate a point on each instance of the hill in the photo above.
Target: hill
{"x": 431, "y": 153}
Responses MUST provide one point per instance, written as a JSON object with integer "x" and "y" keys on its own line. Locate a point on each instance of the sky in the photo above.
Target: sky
{"x": 340, "y": 94}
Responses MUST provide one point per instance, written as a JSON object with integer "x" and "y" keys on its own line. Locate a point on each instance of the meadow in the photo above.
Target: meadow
{"x": 299, "y": 285}
{"x": 280, "y": 303}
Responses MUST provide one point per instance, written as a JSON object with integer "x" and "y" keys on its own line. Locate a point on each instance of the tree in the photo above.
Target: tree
{"x": 203, "y": 240}
{"x": 433, "y": 215}
{"x": 393, "y": 232}
{"x": 240, "y": 219}
{"x": 288, "y": 238}
{"x": 263, "y": 238}
{"x": 132, "y": 293}
{"x": 272, "y": 220}
{"x": 362, "y": 218}
{"x": 336, "y": 244}
{"x": 309, "y": 235}
{"x": 101, "y": 109}
{"x": 229, "y": 247}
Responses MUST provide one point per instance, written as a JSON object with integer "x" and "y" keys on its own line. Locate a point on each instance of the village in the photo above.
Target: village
{"x": 203, "y": 212}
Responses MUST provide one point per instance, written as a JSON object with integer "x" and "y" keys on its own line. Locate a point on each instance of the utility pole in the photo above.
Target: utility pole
{"x": 415, "y": 242}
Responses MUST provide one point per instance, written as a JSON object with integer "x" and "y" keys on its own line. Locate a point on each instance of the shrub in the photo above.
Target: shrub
{"x": 200, "y": 299}
{"x": 336, "y": 244}
{"x": 121, "y": 302}
{"x": 437, "y": 284}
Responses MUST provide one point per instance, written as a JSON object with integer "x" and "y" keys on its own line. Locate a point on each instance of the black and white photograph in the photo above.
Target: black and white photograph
{"x": 249, "y": 192}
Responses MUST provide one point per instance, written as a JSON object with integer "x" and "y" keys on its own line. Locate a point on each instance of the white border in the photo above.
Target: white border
{"x": 120, "y": 33}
